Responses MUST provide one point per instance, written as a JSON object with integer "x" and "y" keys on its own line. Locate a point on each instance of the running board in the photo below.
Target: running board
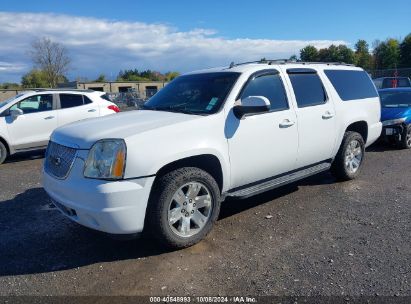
{"x": 279, "y": 181}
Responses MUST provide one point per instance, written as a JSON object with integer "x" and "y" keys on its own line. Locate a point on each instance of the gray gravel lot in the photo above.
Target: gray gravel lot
{"x": 324, "y": 238}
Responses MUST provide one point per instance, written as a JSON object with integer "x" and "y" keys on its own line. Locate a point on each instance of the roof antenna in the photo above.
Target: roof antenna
{"x": 231, "y": 64}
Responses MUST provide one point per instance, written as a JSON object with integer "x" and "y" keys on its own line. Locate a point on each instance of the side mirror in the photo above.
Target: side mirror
{"x": 252, "y": 105}
{"x": 16, "y": 113}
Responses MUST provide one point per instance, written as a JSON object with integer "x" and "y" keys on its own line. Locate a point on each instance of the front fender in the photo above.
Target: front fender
{"x": 147, "y": 153}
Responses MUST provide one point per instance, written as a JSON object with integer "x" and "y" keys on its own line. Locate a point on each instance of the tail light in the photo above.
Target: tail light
{"x": 114, "y": 108}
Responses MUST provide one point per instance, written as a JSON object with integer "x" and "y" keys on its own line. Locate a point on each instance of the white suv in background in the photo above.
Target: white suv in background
{"x": 233, "y": 131}
{"x": 28, "y": 119}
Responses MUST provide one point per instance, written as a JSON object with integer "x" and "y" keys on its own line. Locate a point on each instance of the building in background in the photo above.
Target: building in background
{"x": 144, "y": 89}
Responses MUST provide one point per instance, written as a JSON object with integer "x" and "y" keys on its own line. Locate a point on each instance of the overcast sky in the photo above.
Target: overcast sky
{"x": 105, "y": 37}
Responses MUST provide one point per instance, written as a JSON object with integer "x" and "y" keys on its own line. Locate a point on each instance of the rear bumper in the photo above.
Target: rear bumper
{"x": 374, "y": 132}
{"x": 116, "y": 207}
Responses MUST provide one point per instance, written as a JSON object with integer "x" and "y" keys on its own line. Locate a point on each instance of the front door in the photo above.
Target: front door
{"x": 34, "y": 127}
{"x": 263, "y": 145}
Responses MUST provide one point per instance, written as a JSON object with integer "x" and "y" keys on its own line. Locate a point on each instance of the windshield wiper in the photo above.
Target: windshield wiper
{"x": 173, "y": 108}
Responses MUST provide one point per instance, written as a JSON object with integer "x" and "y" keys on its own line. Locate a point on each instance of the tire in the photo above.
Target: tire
{"x": 406, "y": 138}
{"x": 350, "y": 156}
{"x": 176, "y": 191}
{"x": 3, "y": 153}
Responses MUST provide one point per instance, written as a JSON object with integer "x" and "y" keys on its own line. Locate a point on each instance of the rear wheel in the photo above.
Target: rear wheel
{"x": 406, "y": 138}
{"x": 183, "y": 207}
{"x": 348, "y": 161}
{"x": 3, "y": 153}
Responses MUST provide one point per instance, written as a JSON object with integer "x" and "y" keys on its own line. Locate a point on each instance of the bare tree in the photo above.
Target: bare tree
{"x": 52, "y": 58}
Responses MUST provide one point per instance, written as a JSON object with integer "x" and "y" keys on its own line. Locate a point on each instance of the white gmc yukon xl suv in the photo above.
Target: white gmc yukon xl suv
{"x": 233, "y": 131}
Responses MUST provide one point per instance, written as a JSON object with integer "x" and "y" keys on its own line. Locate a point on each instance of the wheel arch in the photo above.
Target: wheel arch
{"x": 360, "y": 127}
{"x": 207, "y": 162}
{"x": 6, "y": 144}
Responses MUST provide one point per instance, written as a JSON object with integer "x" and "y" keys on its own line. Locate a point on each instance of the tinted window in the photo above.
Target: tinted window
{"x": 396, "y": 83}
{"x": 34, "y": 104}
{"x": 352, "y": 84}
{"x": 70, "y": 100}
{"x": 269, "y": 86}
{"x": 86, "y": 100}
{"x": 194, "y": 94}
{"x": 395, "y": 99}
{"x": 106, "y": 97}
{"x": 308, "y": 89}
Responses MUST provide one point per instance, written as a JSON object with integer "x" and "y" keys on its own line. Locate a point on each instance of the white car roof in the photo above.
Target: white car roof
{"x": 251, "y": 67}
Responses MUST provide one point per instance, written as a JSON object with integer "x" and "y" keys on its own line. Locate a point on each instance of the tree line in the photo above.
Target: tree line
{"x": 389, "y": 54}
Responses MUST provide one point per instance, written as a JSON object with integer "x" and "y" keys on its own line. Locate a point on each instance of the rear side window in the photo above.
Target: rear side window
{"x": 269, "y": 86}
{"x": 86, "y": 100}
{"x": 105, "y": 97}
{"x": 351, "y": 85}
{"x": 71, "y": 100}
{"x": 308, "y": 88}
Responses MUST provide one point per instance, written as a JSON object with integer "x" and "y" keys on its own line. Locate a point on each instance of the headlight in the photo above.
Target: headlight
{"x": 106, "y": 159}
{"x": 393, "y": 122}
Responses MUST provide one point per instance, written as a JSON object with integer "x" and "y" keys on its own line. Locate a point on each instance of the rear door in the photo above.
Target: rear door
{"x": 74, "y": 107}
{"x": 315, "y": 115}
{"x": 34, "y": 127}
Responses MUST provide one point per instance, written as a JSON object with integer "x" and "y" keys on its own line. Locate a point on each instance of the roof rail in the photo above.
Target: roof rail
{"x": 63, "y": 90}
{"x": 287, "y": 61}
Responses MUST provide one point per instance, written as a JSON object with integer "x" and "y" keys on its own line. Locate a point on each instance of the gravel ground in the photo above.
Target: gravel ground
{"x": 314, "y": 237}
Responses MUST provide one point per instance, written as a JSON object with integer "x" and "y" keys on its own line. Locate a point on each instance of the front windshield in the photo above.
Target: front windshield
{"x": 394, "y": 99}
{"x": 3, "y": 103}
{"x": 194, "y": 94}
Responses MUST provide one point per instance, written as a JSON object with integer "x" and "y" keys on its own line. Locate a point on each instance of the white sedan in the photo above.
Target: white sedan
{"x": 28, "y": 119}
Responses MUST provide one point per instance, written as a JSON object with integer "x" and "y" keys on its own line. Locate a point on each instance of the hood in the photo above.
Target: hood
{"x": 394, "y": 113}
{"x": 83, "y": 134}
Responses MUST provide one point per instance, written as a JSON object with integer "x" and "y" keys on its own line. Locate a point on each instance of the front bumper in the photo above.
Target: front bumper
{"x": 115, "y": 207}
{"x": 393, "y": 131}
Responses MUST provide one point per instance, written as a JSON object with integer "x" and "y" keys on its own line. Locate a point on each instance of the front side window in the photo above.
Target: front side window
{"x": 352, "y": 84}
{"x": 269, "y": 86}
{"x": 35, "y": 104}
{"x": 71, "y": 100}
{"x": 308, "y": 88}
{"x": 194, "y": 94}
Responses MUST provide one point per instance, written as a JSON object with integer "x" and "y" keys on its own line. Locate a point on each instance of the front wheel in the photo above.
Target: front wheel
{"x": 3, "y": 153}
{"x": 406, "y": 138}
{"x": 348, "y": 161}
{"x": 183, "y": 207}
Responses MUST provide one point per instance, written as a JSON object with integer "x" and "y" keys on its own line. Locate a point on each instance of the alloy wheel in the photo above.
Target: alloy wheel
{"x": 353, "y": 156}
{"x": 190, "y": 209}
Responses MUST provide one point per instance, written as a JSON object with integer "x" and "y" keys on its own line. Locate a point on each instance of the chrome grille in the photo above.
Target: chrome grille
{"x": 59, "y": 160}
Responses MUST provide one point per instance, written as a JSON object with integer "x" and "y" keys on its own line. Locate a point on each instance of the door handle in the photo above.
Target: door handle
{"x": 328, "y": 115}
{"x": 49, "y": 117}
{"x": 286, "y": 123}
{"x": 92, "y": 110}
